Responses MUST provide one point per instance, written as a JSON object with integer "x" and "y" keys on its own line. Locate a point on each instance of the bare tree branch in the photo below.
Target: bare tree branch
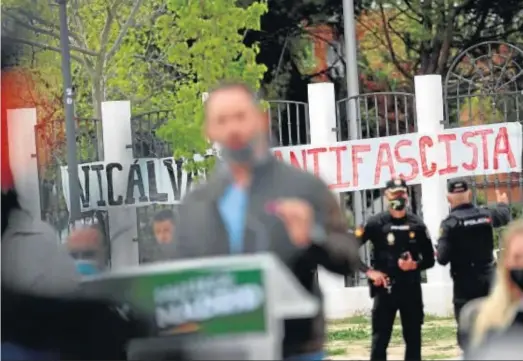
{"x": 124, "y": 29}
{"x": 107, "y": 26}
{"x": 392, "y": 52}
{"x": 446, "y": 44}
{"x": 409, "y": 5}
{"x": 50, "y": 33}
{"x": 82, "y": 39}
{"x": 40, "y": 45}
{"x": 31, "y": 17}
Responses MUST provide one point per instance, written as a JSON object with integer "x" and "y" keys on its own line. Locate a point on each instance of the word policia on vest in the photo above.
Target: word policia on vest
{"x": 345, "y": 166}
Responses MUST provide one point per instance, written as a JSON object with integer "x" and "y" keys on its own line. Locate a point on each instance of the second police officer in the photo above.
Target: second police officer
{"x": 402, "y": 248}
{"x": 466, "y": 241}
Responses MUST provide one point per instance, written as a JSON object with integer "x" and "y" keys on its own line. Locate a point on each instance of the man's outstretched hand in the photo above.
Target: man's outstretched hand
{"x": 298, "y": 217}
{"x": 501, "y": 197}
{"x": 379, "y": 279}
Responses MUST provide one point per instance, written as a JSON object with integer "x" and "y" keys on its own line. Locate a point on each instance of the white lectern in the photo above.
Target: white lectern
{"x": 221, "y": 303}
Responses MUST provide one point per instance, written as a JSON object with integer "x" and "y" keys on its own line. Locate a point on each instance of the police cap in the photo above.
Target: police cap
{"x": 457, "y": 185}
{"x": 396, "y": 185}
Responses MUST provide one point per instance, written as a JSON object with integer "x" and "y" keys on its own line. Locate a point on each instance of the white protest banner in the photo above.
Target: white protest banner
{"x": 148, "y": 181}
{"x": 345, "y": 166}
{"x": 369, "y": 163}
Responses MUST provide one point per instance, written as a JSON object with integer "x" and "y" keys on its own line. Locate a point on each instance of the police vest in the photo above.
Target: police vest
{"x": 472, "y": 240}
{"x": 396, "y": 240}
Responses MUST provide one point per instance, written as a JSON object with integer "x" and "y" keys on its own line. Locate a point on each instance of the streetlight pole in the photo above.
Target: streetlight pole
{"x": 353, "y": 90}
{"x": 70, "y": 125}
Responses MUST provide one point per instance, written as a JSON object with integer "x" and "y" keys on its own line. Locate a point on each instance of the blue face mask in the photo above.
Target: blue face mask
{"x": 87, "y": 268}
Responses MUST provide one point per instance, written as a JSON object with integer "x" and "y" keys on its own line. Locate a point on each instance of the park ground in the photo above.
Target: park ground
{"x": 349, "y": 339}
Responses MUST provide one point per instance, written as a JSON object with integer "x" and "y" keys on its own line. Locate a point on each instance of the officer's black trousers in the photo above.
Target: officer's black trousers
{"x": 458, "y": 305}
{"x": 407, "y": 299}
{"x": 465, "y": 290}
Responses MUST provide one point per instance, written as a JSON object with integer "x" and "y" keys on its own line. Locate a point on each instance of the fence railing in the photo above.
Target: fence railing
{"x": 51, "y": 156}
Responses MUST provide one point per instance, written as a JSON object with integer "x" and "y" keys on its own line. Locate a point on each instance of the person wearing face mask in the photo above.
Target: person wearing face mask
{"x": 85, "y": 246}
{"x": 492, "y": 327}
{"x": 466, "y": 241}
{"x": 43, "y": 317}
{"x": 255, "y": 203}
{"x": 402, "y": 249}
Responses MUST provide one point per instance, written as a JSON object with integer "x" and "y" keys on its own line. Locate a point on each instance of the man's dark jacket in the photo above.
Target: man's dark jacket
{"x": 200, "y": 232}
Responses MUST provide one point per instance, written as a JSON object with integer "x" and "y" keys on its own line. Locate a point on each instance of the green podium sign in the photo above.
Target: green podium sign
{"x": 210, "y": 301}
{"x": 236, "y": 300}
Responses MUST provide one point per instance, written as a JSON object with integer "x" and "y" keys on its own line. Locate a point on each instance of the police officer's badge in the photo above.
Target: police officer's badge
{"x": 412, "y": 235}
{"x": 390, "y": 239}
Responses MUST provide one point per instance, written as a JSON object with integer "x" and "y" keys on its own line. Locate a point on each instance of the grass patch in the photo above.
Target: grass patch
{"x": 363, "y": 332}
{"x": 338, "y": 351}
{"x": 354, "y": 334}
{"x": 353, "y": 320}
{"x": 363, "y": 319}
{"x": 438, "y": 333}
{"x": 350, "y": 333}
{"x": 436, "y": 356}
{"x": 429, "y": 318}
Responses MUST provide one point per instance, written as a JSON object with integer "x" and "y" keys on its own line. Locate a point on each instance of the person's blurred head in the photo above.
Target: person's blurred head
{"x": 163, "y": 226}
{"x": 396, "y": 193}
{"x": 512, "y": 258}
{"x": 499, "y": 308}
{"x": 458, "y": 192}
{"x": 85, "y": 246}
{"x": 235, "y": 120}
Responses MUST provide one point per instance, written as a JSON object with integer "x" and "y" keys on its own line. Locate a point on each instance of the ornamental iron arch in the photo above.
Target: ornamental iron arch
{"x": 489, "y": 73}
{"x": 484, "y": 85}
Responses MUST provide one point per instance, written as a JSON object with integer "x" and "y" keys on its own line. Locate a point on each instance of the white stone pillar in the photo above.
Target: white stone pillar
{"x": 21, "y": 130}
{"x": 322, "y": 116}
{"x": 429, "y": 112}
{"x": 117, "y": 138}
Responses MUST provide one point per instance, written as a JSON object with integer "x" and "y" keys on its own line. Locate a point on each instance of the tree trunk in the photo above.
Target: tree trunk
{"x": 97, "y": 99}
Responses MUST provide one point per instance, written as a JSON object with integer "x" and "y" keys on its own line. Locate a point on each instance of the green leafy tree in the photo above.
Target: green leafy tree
{"x": 212, "y": 49}
{"x": 160, "y": 54}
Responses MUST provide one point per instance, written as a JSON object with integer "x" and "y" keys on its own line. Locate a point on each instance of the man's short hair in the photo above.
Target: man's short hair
{"x": 164, "y": 215}
{"x": 228, "y": 85}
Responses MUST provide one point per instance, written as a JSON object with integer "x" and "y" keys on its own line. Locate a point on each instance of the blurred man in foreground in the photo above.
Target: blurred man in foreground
{"x": 254, "y": 203}
{"x": 466, "y": 241}
{"x": 402, "y": 249}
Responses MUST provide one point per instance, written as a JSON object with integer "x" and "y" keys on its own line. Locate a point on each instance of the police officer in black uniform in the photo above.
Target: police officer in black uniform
{"x": 466, "y": 242}
{"x": 402, "y": 249}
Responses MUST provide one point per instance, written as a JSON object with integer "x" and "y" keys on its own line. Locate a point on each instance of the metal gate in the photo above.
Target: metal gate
{"x": 147, "y": 144}
{"x": 485, "y": 85}
{"x": 51, "y": 156}
{"x": 378, "y": 115}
